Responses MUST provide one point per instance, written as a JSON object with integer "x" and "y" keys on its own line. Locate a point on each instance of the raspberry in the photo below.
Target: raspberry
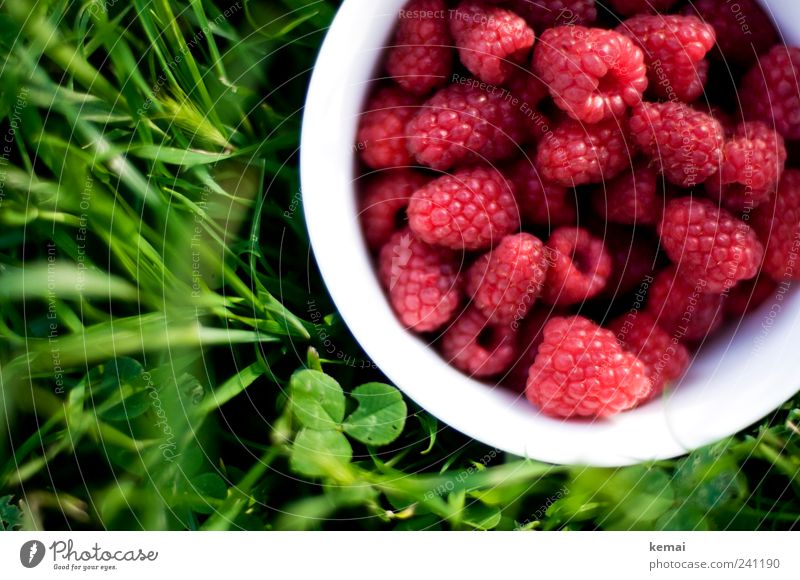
{"x": 743, "y": 29}
{"x": 422, "y": 281}
{"x": 710, "y": 245}
{"x": 752, "y": 164}
{"x": 593, "y": 74}
{"x": 491, "y": 40}
{"x": 463, "y": 124}
{"x": 632, "y": 7}
{"x": 477, "y": 347}
{"x": 634, "y": 256}
{"x": 665, "y": 358}
{"x": 421, "y": 56}
{"x": 684, "y": 310}
{"x": 541, "y": 202}
{"x": 685, "y": 144}
{"x": 631, "y": 198}
{"x": 386, "y": 195}
{"x": 674, "y": 48}
{"x": 543, "y": 14}
{"x": 770, "y": 92}
{"x": 582, "y": 371}
{"x": 382, "y": 131}
{"x": 506, "y": 282}
{"x": 579, "y": 266}
{"x": 778, "y": 226}
{"x": 576, "y": 154}
{"x": 469, "y": 209}
{"x": 527, "y": 88}
{"x": 748, "y": 295}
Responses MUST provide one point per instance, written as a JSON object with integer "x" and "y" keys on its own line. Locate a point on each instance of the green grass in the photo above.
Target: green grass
{"x": 164, "y": 331}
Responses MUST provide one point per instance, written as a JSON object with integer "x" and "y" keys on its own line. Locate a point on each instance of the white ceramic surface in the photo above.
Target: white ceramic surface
{"x": 741, "y": 376}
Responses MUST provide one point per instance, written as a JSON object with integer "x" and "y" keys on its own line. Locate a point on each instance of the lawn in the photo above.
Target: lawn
{"x": 169, "y": 357}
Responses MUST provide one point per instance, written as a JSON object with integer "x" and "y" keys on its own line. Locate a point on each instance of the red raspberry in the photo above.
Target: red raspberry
{"x": 579, "y": 266}
{"x": 506, "y": 282}
{"x": 632, "y": 7}
{"x": 709, "y": 243}
{"x": 541, "y": 202}
{"x": 748, "y": 295}
{"x": 631, "y": 198}
{"x": 382, "y": 131}
{"x": 635, "y": 259}
{"x": 576, "y": 154}
{"x": 684, "y": 310}
{"x": 593, "y": 74}
{"x": 543, "y": 14}
{"x": 752, "y": 164}
{"x": 770, "y": 92}
{"x": 463, "y": 124}
{"x": 491, "y": 40}
{"x": 743, "y": 29}
{"x": 422, "y": 281}
{"x": 582, "y": 371}
{"x": 421, "y": 56}
{"x": 778, "y": 226}
{"x": 477, "y": 347}
{"x": 674, "y": 48}
{"x": 386, "y": 196}
{"x": 469, "y": 209}
{"x": 664, "y": 357}
{"x": 684, "y": 143}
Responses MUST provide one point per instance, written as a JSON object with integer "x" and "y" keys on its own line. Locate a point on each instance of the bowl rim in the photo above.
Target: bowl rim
{"x": 706, "y": 408}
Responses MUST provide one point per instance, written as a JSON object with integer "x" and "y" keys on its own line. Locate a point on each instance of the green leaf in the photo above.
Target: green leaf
{"x": 320, "y": 453}
{"x": 209, "y": 485}
{"x": 380, "y": 416}
{"x": 10, "y": 515}
{"x": 317, "y": 400}
{"x": 129, "y": 408}
{"x": 481, "y": 517}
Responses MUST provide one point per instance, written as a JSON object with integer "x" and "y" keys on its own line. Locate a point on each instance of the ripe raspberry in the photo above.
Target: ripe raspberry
{"x": 382, "y": 131}
{"x": 421, "y": 56}
{"x": 770, "y": 92}
{"x": 684, "y": 143}
{"x": 543, "y": 14}
{"x": 684, "y": 310}
{"x": 665, "y": 358}
{"x": 632, "y": 7}
{"x": 752, "y": 164}
{"x": 674, "y": 48}
{"x": 386, "y": 196}
{"x": 709, "y": 243}
{"x": 463, "y": 124}
{"x": 541, "y": 202}
{"x": 491, "y": 40}
{"x": 593, "y": 74}
{"x": 778, "y": 225}
{"x": 634, "y": 255}
{"x": 469, "y": 209}
{"x": 506, "y": 282}
{"x": 576, "y": 154}
{"x": 631, "y": 198}
{"x": 743, "y": 29}
{"x": 579, "y": 266}
{"x": 748, "y": 295}
{"x": 582, "y": 371}
{"x": 422, "y": 280}
{"x": 478, "y": 347}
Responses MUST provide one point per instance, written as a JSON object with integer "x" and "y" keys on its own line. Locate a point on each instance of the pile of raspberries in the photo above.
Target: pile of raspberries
{"x": 567, "y": 197}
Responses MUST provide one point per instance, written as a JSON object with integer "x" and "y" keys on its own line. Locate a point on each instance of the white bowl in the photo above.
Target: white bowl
{"x": 739, "y": 377}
